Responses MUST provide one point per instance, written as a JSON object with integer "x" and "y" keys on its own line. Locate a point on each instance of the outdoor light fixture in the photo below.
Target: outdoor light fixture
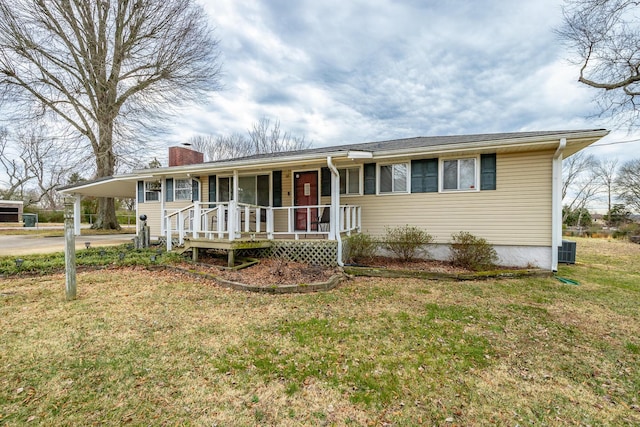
{"x": 19, "y": 262}
{"x": 121, "y": 255}
{"x": 143, "y": 217}
{"x": 87, "y": 244}
{"x": 102, "y": 252}
{"x": 153, "y": 258}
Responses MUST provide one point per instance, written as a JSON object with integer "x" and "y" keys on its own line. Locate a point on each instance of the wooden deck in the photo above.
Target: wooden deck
{"x": 314, "y": 250}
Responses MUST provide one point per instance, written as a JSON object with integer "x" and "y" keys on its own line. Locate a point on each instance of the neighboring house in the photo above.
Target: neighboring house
{"x": 503, "y": 187}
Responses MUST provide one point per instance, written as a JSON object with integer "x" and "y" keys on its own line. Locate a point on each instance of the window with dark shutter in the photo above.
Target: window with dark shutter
{"x": 370, "y": 178}
{"x": 488, "y": 172}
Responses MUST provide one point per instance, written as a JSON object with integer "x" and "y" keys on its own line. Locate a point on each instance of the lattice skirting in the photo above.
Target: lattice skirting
{"x": 317, "y": 252}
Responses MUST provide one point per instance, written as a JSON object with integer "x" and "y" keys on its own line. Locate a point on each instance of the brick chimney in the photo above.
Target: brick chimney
{"x": 181, "y": 156}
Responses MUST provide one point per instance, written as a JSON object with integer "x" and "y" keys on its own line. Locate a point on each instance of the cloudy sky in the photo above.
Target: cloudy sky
{"x": 342, "y": 72}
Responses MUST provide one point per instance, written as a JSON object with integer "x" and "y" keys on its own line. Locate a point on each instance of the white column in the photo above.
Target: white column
{"x": 77, "y": 209}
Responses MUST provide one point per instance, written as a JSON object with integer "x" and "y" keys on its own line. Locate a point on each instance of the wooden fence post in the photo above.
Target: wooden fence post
{"x": 69, "y": 250}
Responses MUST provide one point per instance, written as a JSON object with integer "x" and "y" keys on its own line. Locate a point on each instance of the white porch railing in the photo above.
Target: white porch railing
{"x": 229, "y": 220}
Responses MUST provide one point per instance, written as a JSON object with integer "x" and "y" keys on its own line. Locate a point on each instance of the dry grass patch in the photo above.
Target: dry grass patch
{"x": 158, "y": 347}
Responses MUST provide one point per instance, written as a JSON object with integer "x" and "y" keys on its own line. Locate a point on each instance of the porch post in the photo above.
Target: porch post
{"x": 234, "y": 213}
{"x": 197, "y": 220}
{"x": 77, "y": 207}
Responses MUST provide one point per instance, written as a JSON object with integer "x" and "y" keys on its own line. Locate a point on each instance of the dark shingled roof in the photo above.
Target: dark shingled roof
{"x": 408, "y": 143}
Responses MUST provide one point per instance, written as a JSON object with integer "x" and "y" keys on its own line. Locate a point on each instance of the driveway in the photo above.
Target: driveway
{"x": 32, "y": 244}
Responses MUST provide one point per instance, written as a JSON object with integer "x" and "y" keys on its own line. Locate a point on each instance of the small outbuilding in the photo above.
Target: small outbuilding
{"x": 11, "y": 211}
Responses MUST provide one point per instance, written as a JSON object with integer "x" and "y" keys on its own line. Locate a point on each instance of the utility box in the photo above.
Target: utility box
{"x": 30, "y": 220}
{"x": 567, "y": 252}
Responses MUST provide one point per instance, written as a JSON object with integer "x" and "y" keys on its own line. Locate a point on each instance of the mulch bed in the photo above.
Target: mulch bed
{"x": 270, "y": 272}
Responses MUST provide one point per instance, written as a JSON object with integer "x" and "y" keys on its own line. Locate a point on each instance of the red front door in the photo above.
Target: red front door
{"x": 305, "y": 194}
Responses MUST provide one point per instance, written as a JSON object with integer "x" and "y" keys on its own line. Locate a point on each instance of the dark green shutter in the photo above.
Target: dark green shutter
{"x": 417, "y": 176}
{"x": 325, "y": 182}
{"x": 195, "y": 191}
{"x": 424, "y": 176}
{"x": 370, "y": 178}
{"x": 488, "y": 172}
{"x": 263, "y": 190}
{"x": 168, "y": 195}
{"x": 276, "y": 179}
{"x": 212, "y": 189}
{"x": 431, "y": 176}
{"x": 140, "y": 191}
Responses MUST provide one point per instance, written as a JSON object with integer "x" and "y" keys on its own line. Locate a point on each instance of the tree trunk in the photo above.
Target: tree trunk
{"x": 106, "y": 164}
{"x": 106, "y": 219}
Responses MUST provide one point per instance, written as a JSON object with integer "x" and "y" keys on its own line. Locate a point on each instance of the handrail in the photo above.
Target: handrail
{"x": 230, "y": 220}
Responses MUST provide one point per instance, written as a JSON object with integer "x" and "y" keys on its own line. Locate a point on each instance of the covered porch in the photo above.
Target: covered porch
{"x": 230, "y": 221}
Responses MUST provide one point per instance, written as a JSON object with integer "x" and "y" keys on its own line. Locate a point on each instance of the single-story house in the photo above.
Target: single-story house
{"x": 504, "y": 187}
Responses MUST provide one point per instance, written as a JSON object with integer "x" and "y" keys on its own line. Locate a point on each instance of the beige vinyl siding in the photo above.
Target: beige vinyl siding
{"x": 518, "y": 212}
{"x": 152, "y": 211}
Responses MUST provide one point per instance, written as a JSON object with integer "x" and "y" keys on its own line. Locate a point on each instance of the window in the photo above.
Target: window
{"x": 152, "y": 191}
{"x": 225, "y": 189}
{"x": 349, "y": 181}
{"x": 252, "y": 189}
{"x": 393, "y": 178}
{"x": 183, "y": 189}
{"x": 459, "y": 174}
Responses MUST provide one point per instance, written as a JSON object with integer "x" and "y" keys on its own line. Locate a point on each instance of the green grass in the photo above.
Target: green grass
{"x": 156, "y": 347}
{"x": 122, "y": 255}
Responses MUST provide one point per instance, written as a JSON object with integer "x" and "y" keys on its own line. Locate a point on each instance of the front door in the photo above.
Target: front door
{"x": 305, "y": 194}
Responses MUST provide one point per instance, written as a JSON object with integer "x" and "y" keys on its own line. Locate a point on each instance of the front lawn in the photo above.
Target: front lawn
{"x": 156, "y": 347}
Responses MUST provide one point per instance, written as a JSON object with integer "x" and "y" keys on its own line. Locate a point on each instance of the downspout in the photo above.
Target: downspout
{"x": 335, "y": 206}
{"x": 556, "y": 204}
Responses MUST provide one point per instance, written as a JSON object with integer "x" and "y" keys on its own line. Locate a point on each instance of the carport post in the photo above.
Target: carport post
{"x": 77, "y": 215}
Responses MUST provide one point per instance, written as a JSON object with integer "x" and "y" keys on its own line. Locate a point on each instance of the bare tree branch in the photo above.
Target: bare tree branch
{"x": 603, "y": 37}
{"x": 263, "y": 138}
{"x": 105, "y": 67}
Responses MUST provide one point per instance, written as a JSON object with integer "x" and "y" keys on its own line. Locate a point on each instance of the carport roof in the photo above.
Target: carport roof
{"x": 122, "y": 186}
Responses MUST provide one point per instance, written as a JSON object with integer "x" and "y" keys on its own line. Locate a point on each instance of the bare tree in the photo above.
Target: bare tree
{"x": 268, "y": 138}
{"x": 222, "y": 147}
{"x": 606, "y": 173}
{"x": 628, "y": 184}
{"x": 603, "y": 37}
{"x": 104, "y": 66}
{"x": 580, "y": 184}
{"x": 14, "y": 168}
{"x": 263, "y": 138}
{"x": 36, "y": 167}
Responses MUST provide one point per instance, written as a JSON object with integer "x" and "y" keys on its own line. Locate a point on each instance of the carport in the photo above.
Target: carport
{"x": 122, "y": 186}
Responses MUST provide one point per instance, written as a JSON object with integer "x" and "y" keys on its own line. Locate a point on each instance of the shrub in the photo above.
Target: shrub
{"x": 472, "y": 252}
{"x": 407, "y": 242}
{"x": 360, "y": 247}
{"x": 626, "y": 231}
